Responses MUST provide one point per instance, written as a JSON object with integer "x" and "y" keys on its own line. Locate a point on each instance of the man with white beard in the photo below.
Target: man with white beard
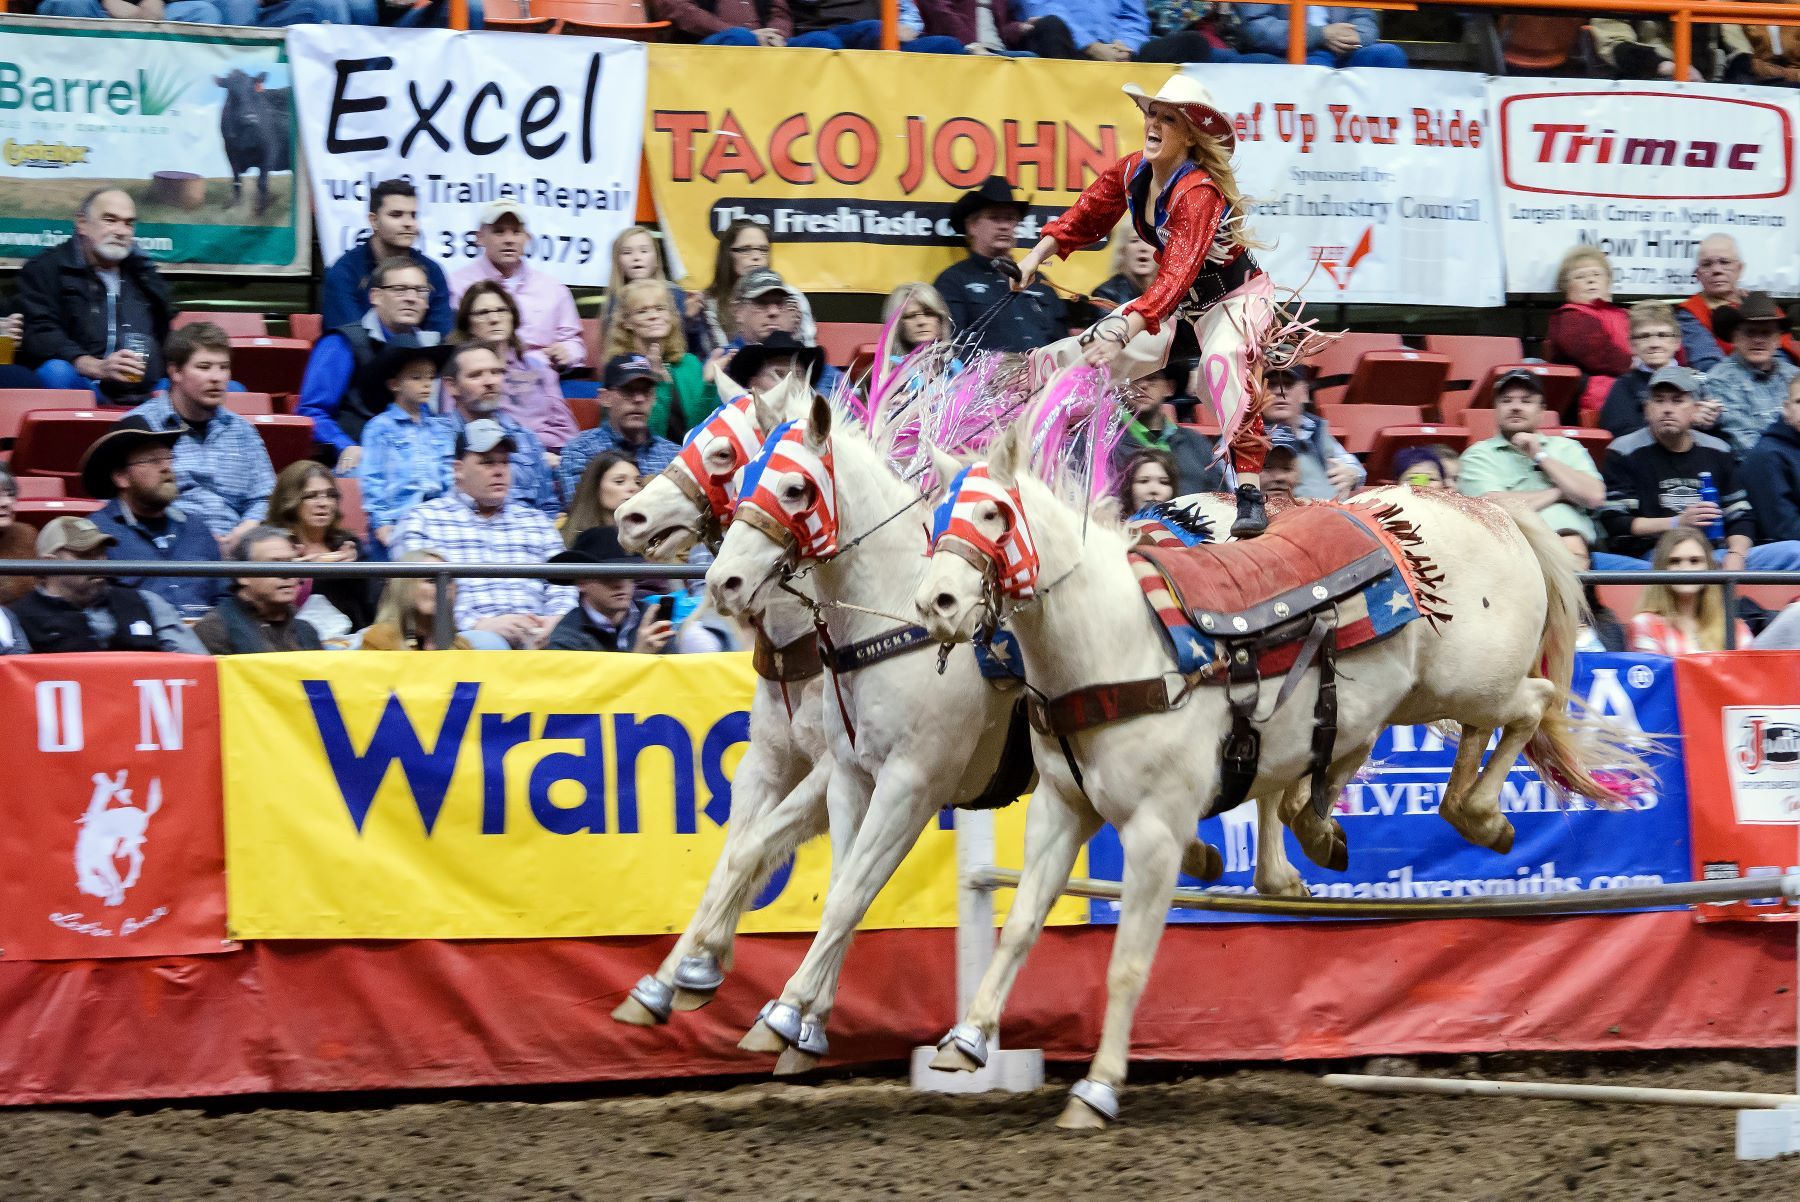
{"x": 96, "y": 311}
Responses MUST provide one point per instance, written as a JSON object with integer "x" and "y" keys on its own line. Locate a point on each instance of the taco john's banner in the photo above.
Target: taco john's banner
{"x": 452, "y": 796}
{"x": 1369, "y": 186}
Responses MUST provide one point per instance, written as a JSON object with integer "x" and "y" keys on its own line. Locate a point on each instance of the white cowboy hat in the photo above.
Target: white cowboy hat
{"x": 1190, "y": 96}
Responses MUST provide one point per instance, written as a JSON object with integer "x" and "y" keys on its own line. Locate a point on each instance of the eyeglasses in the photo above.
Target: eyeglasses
{"x": 494, "y": 312}
{"x": 162, "y": 460}
{"x": 406, "y": 289}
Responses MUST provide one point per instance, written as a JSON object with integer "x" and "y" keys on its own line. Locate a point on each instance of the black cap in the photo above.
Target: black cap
{"x": 107, "y": 454}
{"x": 596, "y": 544}
{"x": 994, "y": 192}
{"x": 1521, "y": 377}
{"x": 626, "y": 369}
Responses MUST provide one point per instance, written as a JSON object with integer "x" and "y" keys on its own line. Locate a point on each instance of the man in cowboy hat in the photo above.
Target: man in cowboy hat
{"x": 1752, "y": 385}
{"x": 761, "y": 364}
{"x": 409, "y": 447}
{"x": 982, "y": 304}
{"x": 610, "y": 616}
{"x": 134, "y": 464}
{"x": 91, "y": 613}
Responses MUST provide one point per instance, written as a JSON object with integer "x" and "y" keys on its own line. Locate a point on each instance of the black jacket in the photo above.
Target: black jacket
{"x": 52, "y": 624}
{"x": 984, "y": 309}
{"x": 64, "y": 306}
{"x": 1771, "y": 477}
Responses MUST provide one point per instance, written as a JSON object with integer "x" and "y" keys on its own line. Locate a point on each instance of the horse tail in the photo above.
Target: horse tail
{"x": 1575, "y": 751}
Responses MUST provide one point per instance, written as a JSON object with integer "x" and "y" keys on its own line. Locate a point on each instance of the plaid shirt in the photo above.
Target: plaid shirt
{"x": 226, "y": 479}
{"x": 406, "y": 460}
{"x": 652, "y": 457}
{"x": 518, "y": 533}
{"x": 532, "y": 482}
{"x": 1748, "y": 400}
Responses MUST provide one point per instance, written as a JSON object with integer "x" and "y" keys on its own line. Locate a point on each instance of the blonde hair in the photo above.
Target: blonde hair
{"x": 1651, "y": 314}
{"x": 926, "y": 295}
{"x": 1122, "y": 235}
{"x": 399, "y": 605}
{"x": 1576, "y": 257}
{"x": 619, "y": 339}
{"x": 1215, "y": 160}
{"x": 1659, "y": 599}
{"x": 659, "y": 272}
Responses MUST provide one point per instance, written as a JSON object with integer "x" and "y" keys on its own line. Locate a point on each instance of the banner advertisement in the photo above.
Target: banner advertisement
{"x": 196, "y": 125}
{"x": 1380, "y": 178}
{"x": 1400, "y": 848}
{"x": 1743, "y": 767}
{"x": 115, "y": 848}
{"x": 1645, "y": 175}
{"x": 552, "y": 124}
{"x": 451, "y": 796}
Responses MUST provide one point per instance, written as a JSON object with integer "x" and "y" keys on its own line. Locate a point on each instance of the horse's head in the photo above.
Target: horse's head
{"x": 787, "y": 510}
{"x": 980, "y": 543}
{"x": 693, "y": 497}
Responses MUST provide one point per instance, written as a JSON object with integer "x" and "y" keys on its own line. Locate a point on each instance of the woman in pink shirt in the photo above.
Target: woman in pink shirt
{"x": 533, "y": 394}
{"x": 1682, "y": 618}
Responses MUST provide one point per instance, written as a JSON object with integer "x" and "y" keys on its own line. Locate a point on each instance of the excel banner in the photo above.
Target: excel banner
{"x": 460, "y": 795}
{"x": 1366, "y": 185}
{"x": 1401, "y": 848}
{"x": 194, "y": 121}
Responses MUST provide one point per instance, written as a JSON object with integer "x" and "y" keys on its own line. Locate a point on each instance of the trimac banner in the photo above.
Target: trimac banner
{"x": 470, "y": 118}
{"x": 1380, "y": 179}
{"x": 451, "y": 796}
{"x": 195, "y": 122}
{"x": 110, "y": 829}
{"x": 1742, "y": 710}
{"x": 1645, "y": 175}
{"x": 1401, "y": 848}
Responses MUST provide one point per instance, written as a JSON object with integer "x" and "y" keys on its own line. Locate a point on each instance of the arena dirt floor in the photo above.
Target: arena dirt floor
{"x": 1221, "y": 1134}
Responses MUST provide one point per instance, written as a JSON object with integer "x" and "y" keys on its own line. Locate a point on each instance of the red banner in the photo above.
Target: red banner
{"x": 112, "y": 831}
{"x": 1740, "y": 719}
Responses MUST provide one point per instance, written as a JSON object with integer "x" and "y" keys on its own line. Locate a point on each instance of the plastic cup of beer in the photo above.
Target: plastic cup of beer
{"x": 6, "y": 349}
{"x": 139, "y": 345}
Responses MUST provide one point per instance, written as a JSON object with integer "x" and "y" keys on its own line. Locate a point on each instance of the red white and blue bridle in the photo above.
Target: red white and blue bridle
{"x": 713, "y": 493}
{"x": 1012, "y": 559}
{"x": 811, "y": 532}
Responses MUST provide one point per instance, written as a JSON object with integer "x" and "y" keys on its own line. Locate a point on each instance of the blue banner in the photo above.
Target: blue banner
{"x": 1400, "y": 848}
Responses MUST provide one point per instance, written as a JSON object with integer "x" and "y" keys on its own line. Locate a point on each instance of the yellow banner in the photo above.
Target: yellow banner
{"x": 464, "y": 795}
{"x": 852, "y": 159}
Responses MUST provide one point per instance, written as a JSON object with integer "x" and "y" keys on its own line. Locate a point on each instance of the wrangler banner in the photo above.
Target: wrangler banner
{"x": 1644, "y": 172}
{"x": 195, "y": 122}
{"x": 1366, "y": 185}
{"x": 1741, "y": 712}
{"x": 1401, "y": 848}
{"x": 110, "y": 830}
{"x": 401, "y": 796}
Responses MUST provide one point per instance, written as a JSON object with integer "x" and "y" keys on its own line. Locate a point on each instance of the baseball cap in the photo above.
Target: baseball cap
{"x": 1522, "y": 378}
{"x": 759, "y": 283}
{"x": 483, "y": 435}
{"x": 626, "y": 369}
{"x": 1675, "y": 376}
{"x": 70, "y": 533}
{"x": 503, "y": 208}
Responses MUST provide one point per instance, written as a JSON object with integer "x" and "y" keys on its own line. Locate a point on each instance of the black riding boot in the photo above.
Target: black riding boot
{"x": 1252, "y": 518}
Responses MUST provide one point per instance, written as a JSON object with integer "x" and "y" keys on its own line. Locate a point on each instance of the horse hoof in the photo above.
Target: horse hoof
{"x": 1338, "y": 858}
{"x": 1202, "y": 861}
{"x": 692, "y": 999}
{"x": 952, "y": 1059}
{"x": 634, "y": 1013}
{"x": 647, "y": 1005}
{"x": 1092, "y": 1107}
{"x": 793, "y": 1062}
{"x": 1502, "y": 842}
{"x": 699, "y": 973}
{"x": 762, "y": 1038}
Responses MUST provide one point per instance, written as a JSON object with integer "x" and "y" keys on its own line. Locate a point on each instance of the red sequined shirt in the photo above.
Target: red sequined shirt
{"x": 1185, "y": 223}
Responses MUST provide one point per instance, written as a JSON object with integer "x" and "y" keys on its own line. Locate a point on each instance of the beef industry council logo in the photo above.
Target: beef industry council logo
{"x": 1763, "y": 751}
{"x": 1339, "y": 262}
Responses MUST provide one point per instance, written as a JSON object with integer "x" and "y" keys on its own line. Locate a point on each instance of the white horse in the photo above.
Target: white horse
{"x": 1504, "y": 662}
{"x": 778, "y": 790}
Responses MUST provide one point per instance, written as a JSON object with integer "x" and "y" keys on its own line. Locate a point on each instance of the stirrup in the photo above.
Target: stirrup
{"x": 970, "y": 1040}
{"x": 699, "y": 973}
{"x": 656, "y": 997}
{"x": 1252, "y": 517}
{"x": 1102, "y": 1099}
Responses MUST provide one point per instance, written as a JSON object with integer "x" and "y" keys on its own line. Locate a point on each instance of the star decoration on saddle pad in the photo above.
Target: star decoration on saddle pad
{"x": 1001, "y": 652}
{"x": 1194, "y": 647}
{"x": 1398, "y": 602}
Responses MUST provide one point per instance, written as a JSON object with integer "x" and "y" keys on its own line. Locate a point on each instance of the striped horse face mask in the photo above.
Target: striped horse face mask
{"x": 982, "y": 522}
{"x": 713, "y": 454}
{"x": 788, "y": 492}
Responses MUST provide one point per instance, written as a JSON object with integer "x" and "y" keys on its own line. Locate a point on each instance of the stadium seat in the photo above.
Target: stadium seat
{"x": 649, "y": 31}
{"x": 350, "y": 507}
{"x": 1594, "y": 440}
{"x": 1536, "y": 45}
{"x": 840, "y": 339}
{"x": 36, "y": 512}
{"x": 15, "y": 403}
{"x": 1403, "y": 377}
{"x": 1336, "y": 364}
{"x": 39, "y": 488}
{"x": 247, "y": 404}
{"x": 288, "y": 439}
{"x": 1470, "y": 357}
{"x": 272, "y": 365}
{"x": 861, "y": 364}
{"x": 586, "y": 410}
{"x": 1772, "y": 597}
{"x": 307, "y": 326}
{"x": 1560, "y": 384}
{"x": 235, "y": 325}
{"x": 604, "y": 18}
{"x": 1361, "y": 423}
{"x": 521, "y": 24}
{"x": 1394, "y": 439}
{"x": 1622, "y": 599}
{"x": 51, "y": 443}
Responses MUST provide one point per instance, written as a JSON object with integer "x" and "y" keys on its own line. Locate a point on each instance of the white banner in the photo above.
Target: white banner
{"x": 1645, "y": 175}
{"x": 555, "y": 124}
{"x": 1373, "y": 186}
{"x": 1762, "y": 754}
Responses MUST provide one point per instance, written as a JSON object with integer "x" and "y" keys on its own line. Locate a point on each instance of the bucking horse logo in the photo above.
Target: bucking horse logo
{"x": 110, "y": 834}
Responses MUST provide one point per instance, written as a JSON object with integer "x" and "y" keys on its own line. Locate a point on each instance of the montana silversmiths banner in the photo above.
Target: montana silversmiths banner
{"x": 1380, "y": 178}
{"x": 552, "y": 123}
{"x": 453, "y": 796}
{"x": 169, "y": 113}
{"x": 1645, "y": 172}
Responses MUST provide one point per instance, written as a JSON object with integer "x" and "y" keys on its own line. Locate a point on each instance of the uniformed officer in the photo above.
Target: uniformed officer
{"x": 985, "y": 309}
